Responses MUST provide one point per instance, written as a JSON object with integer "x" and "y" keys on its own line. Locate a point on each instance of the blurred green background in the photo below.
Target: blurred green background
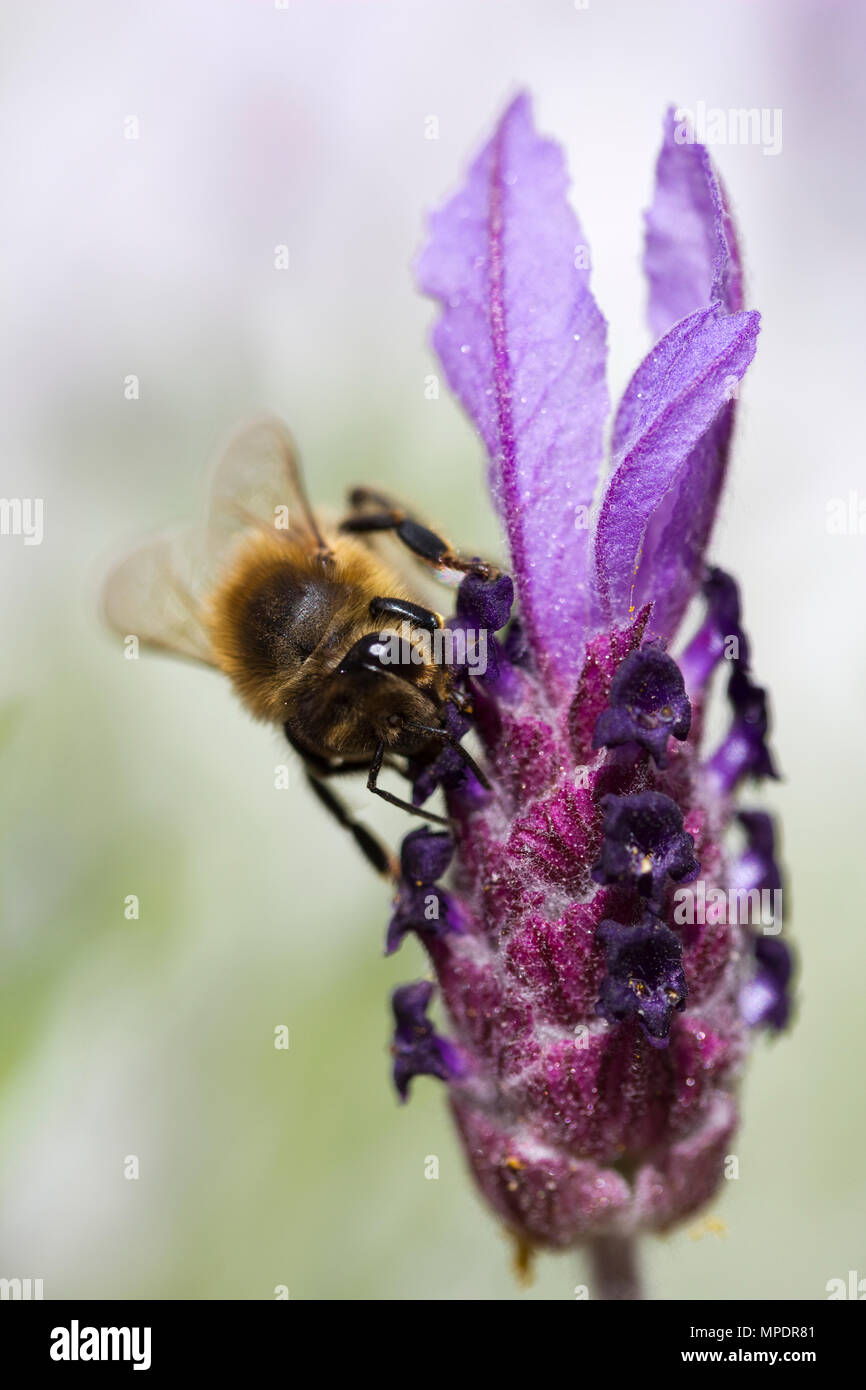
{"x": 305, "y": 127}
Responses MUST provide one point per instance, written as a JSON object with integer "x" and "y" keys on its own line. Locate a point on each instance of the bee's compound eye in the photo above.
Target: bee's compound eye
{"x": 369, "y": 653}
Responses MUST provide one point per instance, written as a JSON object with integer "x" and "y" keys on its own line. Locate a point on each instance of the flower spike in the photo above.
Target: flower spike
{"x": 602, "y": 1049}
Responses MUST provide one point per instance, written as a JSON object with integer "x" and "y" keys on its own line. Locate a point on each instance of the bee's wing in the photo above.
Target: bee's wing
{"x": 154, "y": 595}
{"x": 157, "y": 593}
{"x": 258, "y": 482}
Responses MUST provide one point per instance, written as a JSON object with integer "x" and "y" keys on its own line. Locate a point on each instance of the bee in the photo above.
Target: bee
{"x": 296, "y": 613}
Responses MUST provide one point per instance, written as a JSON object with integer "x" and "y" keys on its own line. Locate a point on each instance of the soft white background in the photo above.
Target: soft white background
{"x": 305, "y": 126}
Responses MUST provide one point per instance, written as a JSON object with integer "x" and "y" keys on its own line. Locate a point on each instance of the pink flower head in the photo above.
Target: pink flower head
{"x": 599, "y": 1021}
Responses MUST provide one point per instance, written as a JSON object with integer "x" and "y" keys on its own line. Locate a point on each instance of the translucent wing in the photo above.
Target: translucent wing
{"x": 157, "y": 593}
{"x": 257, "y": 482}
{"x": 152, "y": 595}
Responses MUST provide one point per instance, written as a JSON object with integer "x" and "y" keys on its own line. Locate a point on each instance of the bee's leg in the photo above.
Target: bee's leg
{"x": 419, "y": 539}
{"x": 361, "y": 497}
{"x": 372, "y": 849}
{"x": 372, "y": 785}
{"x": 463, "y": 753}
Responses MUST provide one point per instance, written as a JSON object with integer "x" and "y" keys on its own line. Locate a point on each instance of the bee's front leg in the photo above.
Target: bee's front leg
{"x": 372, "y": 511}
{"x": 373, "y": 786}
{"x": 381, "y": 858}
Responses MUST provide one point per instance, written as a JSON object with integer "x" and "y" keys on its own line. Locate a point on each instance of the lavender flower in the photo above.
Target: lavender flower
{"x": 598, "y": 1046}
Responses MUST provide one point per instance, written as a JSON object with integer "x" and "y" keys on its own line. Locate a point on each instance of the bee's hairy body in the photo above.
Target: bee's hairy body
{"x": 299, "y": 618}
{"x": 281, "y": 623}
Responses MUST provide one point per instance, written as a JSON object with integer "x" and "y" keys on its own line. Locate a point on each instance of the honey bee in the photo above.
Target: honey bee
{"x": 294, "y": 612}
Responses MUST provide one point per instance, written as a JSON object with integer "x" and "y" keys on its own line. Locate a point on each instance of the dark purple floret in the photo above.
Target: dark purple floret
{"x": 744, "y": 752}
{"x": 645, "y": 978}
{"x": 756, "y": 866}
{"x": 485, "y": 602}
{"x": 644, "y": 841}
{"x": 722, "y": 594}
{"x": 421, "y": 906}
{"x": 484, "y": 605}
{"x": 648, "y": 704}
{"x": 765, "y": 999}
{"x": 448, "y": 769}
{"x": 425, "y": 855}
{"x": 720, "y": 634}
{"x": 429, "y": 911}
{"x": 417, "y": 1049}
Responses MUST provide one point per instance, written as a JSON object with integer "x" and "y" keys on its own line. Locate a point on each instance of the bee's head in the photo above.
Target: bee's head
{"x": 371, "y": 697}
{"x": 394, "y": 691}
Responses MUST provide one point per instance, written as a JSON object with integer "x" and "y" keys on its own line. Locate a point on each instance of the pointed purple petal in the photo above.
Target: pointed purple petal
{"x": 691, "y": 260}
{"x": 674, "y": 397}
{"x": 691, "y": 256}
{"x": 678, "y": 533}
{"x": 523, "y": 346}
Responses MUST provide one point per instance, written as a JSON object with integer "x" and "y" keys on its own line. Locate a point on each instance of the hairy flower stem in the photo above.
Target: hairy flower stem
{"x": 614, "y": 1269}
